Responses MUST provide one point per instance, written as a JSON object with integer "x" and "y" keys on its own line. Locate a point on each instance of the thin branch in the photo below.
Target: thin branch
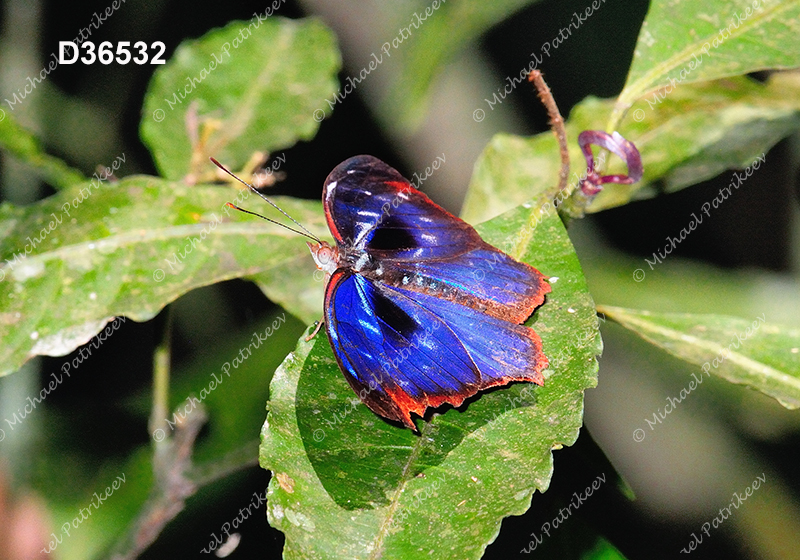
{"x": 244, "y": 457}
{"x": 175, "y": 477}
{"x": 171, "y": 487}
{"x": 161, "y": 366}
{"x": 556, "y": 125}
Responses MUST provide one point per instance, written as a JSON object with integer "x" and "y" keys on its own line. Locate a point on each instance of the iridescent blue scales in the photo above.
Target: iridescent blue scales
{"x": 419, "y": 310}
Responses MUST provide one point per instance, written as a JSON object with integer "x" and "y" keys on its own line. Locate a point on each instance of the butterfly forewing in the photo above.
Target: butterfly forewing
{"x": 415, "y": 244}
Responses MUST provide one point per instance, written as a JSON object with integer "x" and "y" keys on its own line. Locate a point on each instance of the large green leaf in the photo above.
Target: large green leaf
{"x": 296, "y": 284}
{"x": 349, "y": 485}
{"x": 685, "y": 41}
{"x": 127, "y": 249}
{"x": 692, "y": 135}
{"x": 256, "y": 87}
{"x": 754, "y": 353}
{"x": 701, "y": 130}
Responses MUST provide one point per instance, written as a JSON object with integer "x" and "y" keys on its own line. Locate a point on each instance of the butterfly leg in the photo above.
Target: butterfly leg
{"x": 316, "y": 330}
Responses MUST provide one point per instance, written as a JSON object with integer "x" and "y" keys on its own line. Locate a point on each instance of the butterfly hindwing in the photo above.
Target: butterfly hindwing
{"x": 388, "y": 357}
{"x": 403, "y": 352}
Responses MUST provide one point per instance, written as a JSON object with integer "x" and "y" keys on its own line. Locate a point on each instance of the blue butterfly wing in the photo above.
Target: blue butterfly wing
{"x": 482, "y": 278}
{"x": 422, "y": 311}
{"x": 370, "y": 206}
{"x": 403, "y": 351}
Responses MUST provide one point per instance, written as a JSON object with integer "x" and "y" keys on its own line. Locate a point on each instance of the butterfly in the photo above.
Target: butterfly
{"x": 419, "y": 310}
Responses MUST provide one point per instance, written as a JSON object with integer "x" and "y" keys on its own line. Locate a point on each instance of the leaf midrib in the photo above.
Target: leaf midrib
{"x": 241, "y": 118}
{"x": 641, "y": 85}
{"x": 735, "y": 357}
{"x": 383, "y": 528}
{"x": 130, "y": 238}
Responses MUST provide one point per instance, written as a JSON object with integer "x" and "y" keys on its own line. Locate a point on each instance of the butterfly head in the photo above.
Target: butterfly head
{"x": 326, "y": 257}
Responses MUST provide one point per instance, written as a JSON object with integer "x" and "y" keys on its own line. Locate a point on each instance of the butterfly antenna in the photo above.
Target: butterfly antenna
{"x": 305, "y": 232}
{"x": 231, "y": 205}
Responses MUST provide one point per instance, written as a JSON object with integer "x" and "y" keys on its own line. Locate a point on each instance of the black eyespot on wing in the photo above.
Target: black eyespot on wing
{"x": 392, "y": 239}
{"x": 394, "y": 316}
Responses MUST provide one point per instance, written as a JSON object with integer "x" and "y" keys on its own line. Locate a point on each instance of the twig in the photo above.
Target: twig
{"x": 171, "y": 461}
{"x": 161, "y": 366}
{"x": 170, "y": 490}
{"x": 236, "y": 460}
{"x": 175, "y": 477}
{"x": 556, "y": 125}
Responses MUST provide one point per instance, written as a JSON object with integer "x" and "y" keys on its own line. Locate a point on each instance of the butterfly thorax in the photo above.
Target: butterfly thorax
{"x": 329, "y": 258}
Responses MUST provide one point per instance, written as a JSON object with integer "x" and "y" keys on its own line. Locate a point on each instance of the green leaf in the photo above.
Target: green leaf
{"x": 349, "y": 485}
{"x": 685, "y": 41}
{"x": 255, "y": 85}
{"x": 26, "y": 147}
{"x": 754, "y": 353}
{"x": 689, "y": 136}
{"x": 127, "y": 249}
{"x": 433, "y": 42}
{"x": 296, "y": 284}
{"x": 604, "y": 550}
{"x": 701, "y": 130}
